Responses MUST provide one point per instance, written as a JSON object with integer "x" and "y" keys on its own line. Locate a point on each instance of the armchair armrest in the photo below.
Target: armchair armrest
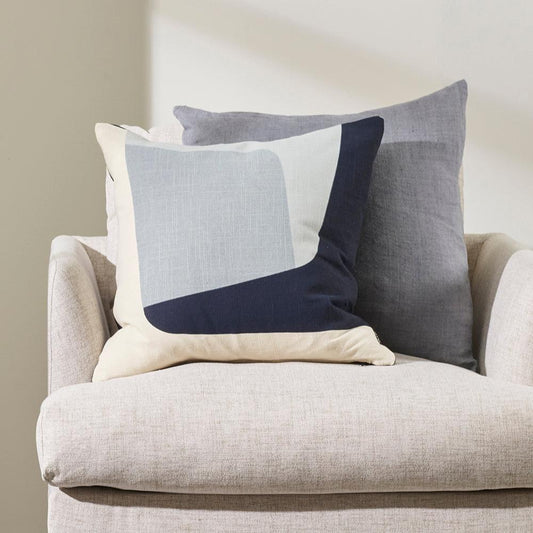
{"x": 77, "y": 325}
{"x": 502, "y": 293}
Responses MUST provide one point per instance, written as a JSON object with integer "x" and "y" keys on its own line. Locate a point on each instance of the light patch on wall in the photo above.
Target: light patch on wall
{"x": 307, "y": 57}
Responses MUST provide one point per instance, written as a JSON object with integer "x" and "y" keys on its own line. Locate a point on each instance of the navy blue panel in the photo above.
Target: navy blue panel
{"x": 318, "y": 296}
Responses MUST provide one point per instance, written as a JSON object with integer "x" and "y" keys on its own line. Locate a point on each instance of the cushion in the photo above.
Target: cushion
{"x": 262, "y": 428}
{"x": 170, "y": 133}
{"x": 411, "y": 267}
{"x": 239, "y": 252}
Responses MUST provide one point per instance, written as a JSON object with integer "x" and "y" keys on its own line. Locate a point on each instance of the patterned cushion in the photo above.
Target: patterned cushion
{"x": 239, "y": 252}
{"x": 411, "y": 267}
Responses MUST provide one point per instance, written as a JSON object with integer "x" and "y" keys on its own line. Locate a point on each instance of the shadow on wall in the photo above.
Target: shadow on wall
{"x": 324, "y": 58}
{"x": 65, "y": 66}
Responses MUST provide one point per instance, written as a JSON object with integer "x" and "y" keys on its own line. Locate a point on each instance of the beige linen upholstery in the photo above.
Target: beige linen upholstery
{"x": 97, "y": 509}
{"x": 77, "y": 324}
{"x": 272, "y": 428}
{"x": 502, "y": 292}
{"x": 488, "y": 424}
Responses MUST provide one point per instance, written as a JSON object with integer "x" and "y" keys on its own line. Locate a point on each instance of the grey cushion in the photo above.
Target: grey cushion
{"x": 260, "y": 428}
{"x": 412, "y": 267}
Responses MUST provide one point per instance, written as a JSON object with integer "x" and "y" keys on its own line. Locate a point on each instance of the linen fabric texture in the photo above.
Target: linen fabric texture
{"x": 294, "y": 427}
{"x": 76, "y": 341}
{"x": 170, "y": 133}
{"x": 103, "y": 510}
{"x": 239, "y": 252}
{"x": 411, "y": 266}
{"x": 502, "y": 289}
{"x": 499, "y": 269}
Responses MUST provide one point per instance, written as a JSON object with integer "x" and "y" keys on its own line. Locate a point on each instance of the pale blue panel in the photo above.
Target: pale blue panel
{"x": 206, "y": 219}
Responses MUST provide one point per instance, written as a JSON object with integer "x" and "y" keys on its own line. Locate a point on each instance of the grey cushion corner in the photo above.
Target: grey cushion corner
{"x": 412, "y": 265}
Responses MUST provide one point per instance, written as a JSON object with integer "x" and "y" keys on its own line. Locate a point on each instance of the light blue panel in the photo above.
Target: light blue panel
{"x": 206, "y": 219}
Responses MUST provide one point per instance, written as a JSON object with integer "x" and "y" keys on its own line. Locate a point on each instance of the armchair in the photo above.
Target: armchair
{"x": 420, "y": 446}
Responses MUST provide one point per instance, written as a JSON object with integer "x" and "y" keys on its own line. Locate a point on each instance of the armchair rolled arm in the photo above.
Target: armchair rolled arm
{"x": 502, "y": 293}
{"x": 77, "y": 325}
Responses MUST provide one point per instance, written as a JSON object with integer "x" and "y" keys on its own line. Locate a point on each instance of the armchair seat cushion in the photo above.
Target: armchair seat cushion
{"x": 275, "y": 428}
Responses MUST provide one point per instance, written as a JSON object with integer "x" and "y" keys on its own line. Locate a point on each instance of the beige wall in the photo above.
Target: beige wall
{"x": 64, "y": 65}
{"x": 67, "y": 64}
{"x": 307, "y": 56}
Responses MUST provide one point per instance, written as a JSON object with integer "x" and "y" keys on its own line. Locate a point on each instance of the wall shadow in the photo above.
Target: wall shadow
{"x": 343, "y": 66}
{"x": 65, "y": 66}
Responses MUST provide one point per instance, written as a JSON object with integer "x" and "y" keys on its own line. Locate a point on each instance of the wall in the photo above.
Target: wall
{"x": 64, "y": 65}
{"x": 311, "y": 56}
